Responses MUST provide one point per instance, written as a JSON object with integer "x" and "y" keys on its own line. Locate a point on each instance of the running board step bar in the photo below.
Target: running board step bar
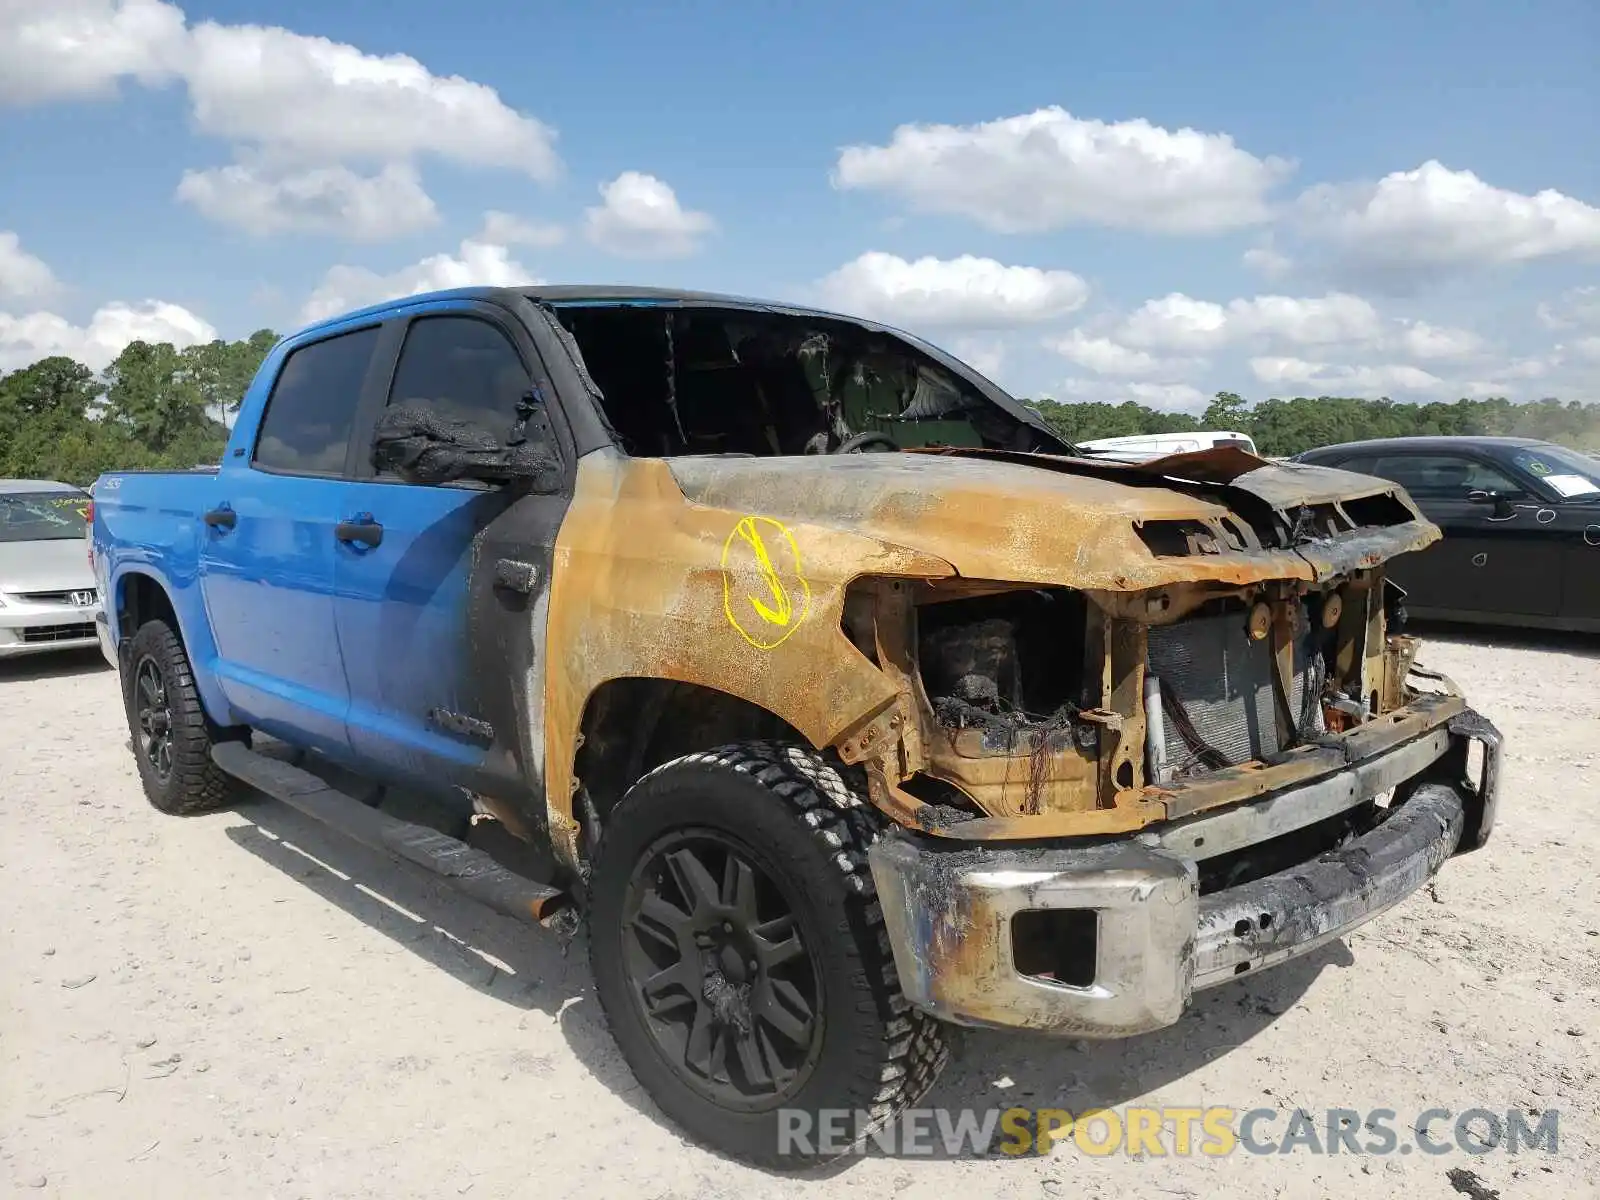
{"x": 470, "y": 870}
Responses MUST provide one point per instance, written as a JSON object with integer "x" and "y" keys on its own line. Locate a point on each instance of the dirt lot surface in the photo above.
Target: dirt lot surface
{"x": 244, "y": 1005}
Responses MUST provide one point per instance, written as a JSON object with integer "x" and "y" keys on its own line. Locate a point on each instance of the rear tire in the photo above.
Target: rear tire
{"x": 172, "y": 737}
{"x": 740, "y": 955}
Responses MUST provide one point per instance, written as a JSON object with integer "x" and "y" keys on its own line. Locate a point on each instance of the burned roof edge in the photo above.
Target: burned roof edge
{"x": 572, "y": 294}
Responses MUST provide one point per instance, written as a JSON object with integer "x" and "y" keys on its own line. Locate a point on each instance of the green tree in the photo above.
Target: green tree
{"x": 43, "y": 407}
{"x": 223, "y": 370}
{"x": 1283, "y": 426}
{"x": 1091, "y": 419}
{"x": 153, "y": 395}
{"x": 1227, "y": 412}
{"x": 153, "y": 407}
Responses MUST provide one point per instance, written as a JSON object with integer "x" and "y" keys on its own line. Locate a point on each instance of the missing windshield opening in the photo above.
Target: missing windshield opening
{"x": 693, "y": 380}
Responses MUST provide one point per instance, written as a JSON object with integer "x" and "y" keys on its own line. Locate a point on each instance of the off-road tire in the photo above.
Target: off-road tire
{"x": 877, "y": 1053}
{"x": 194, "y": 784}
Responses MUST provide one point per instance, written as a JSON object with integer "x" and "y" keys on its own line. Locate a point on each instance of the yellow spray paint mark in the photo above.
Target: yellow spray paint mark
{"x": 763, "y": 591}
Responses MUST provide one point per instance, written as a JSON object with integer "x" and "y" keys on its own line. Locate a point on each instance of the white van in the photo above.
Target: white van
{"x": 1144, "y": 446}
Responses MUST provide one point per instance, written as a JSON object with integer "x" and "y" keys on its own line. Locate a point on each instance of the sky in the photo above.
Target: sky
{"x": 1114, "y": 201}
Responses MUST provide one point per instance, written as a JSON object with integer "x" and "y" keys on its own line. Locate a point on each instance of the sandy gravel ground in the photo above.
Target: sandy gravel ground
{"x": 244, "y": 1005}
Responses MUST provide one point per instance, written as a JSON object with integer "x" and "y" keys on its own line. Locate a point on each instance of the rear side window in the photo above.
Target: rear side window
{"x": 306, "y": 430}
{"x": 463, "y": 369}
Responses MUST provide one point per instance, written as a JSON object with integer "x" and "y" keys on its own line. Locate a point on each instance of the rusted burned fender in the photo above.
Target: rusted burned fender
{"x": 951, "y": 908}
{"x": 1034, "y": 518}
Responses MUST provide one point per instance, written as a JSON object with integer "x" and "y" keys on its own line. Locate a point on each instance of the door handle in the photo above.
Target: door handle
{"x": 366, "y": 531}
{"x": 222, "y": 517}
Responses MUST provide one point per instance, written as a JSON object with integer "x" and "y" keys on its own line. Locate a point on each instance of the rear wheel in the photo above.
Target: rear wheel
{"x": 172, "y": 737}
{"x": 740, "y": 956}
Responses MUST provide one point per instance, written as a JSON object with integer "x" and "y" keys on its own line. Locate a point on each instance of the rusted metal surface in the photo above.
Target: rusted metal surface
{"x": 949, "y": 915}
{"x": 733, "y": 574}
{"x": 648, "y": 584}
{"x": 1019, "y": 518}
{"x": 1230, "y": 785}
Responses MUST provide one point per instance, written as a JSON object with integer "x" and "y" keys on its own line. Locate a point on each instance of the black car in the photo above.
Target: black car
{"x": 1521, "y": 522}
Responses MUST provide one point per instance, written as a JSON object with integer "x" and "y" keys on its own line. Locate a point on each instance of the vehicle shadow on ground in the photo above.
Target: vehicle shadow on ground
{"x": 62, "y": 664}
{"x": 546, "y": 973}
{"x": 1584, "y": 645}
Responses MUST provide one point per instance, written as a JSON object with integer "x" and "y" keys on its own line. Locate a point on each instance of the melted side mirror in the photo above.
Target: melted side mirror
{"x": 414, "y": 442}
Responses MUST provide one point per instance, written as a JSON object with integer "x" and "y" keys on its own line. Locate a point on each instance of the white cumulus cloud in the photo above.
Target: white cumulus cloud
{"x": 506, "y": 229}
{"x": 22, "y": 275}
{"x": 1576, "y": 308}
{"x": 1422, "y": 340}
{"x": 477, "y": 262}
{"x": 640, "y": 217}
{"x": 965, "y": 292}
{"x": 315, "y": 100}
{"x": 1587, "y": 348}
{"x": 1344, "y": 379}
{"x": 28, "y": 336}
{"x": 1104, "y": 356}
{"x": 1048, "y": 169}
{"x": 331, "y": 199}
{"x": 327, "y": 132}
{"x": 1170, "y": 397}
{"x": 32, "y": 336}
{"x": 987, "y": 356}
{"x": 1268, "y": 261}
{"x": 75, "y": 49}
{"x": 1180, "y": 322}
{"x": 1435, "y": 219}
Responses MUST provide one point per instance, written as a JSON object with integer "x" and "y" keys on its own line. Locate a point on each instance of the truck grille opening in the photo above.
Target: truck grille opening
{"x": 1382, "y": 510}
{"x": 1057, "y": 945}
{"x": 1223, "y": 682}
{"x": 57, "y": 633}
{"x": 1179, "y": 539}
{"x": 1010, "y": 661}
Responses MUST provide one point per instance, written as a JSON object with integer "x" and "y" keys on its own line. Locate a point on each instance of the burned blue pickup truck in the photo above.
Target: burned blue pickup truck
{"x": 840, "y": 697}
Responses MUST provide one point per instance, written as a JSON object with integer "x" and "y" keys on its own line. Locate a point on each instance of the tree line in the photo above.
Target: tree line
{"x": 157, "y": 407}
{"x": 1282, "y": 427}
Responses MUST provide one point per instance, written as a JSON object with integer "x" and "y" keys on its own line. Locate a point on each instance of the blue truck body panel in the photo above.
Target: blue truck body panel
{"x": 322, "y": 642}
{"x": 148, "y": 525}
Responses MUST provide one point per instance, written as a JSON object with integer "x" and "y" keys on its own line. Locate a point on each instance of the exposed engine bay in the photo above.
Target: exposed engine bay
{"x": 706, "y": 380}
{"x": 1043, "y": 700}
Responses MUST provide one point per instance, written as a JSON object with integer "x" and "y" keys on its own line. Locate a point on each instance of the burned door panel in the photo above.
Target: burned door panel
{"x": 508, "y": 604}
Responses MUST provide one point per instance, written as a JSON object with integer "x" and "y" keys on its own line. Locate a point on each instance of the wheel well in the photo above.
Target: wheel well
{"x": 632, "y": 726}
{"x": 142, "y": 599}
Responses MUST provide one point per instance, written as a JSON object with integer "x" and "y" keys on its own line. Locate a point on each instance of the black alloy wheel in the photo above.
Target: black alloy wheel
{"x": 168, "y": 730}
{"x": 153, "y": 713}
{"x": 717, "y": 958}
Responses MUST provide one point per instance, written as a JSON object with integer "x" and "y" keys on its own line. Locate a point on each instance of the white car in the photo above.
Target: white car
{"x": 1143, "y": 447}
{"x": 48, "y": 599}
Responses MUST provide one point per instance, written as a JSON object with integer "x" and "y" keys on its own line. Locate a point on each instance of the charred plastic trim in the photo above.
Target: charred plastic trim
{"x": 1293, "y": 912}
{"x": 1471, "y": 728}
{"x": 949, "y": 909}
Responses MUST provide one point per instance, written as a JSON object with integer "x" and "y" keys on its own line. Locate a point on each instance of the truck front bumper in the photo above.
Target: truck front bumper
{"x": 1153, "y": 939}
